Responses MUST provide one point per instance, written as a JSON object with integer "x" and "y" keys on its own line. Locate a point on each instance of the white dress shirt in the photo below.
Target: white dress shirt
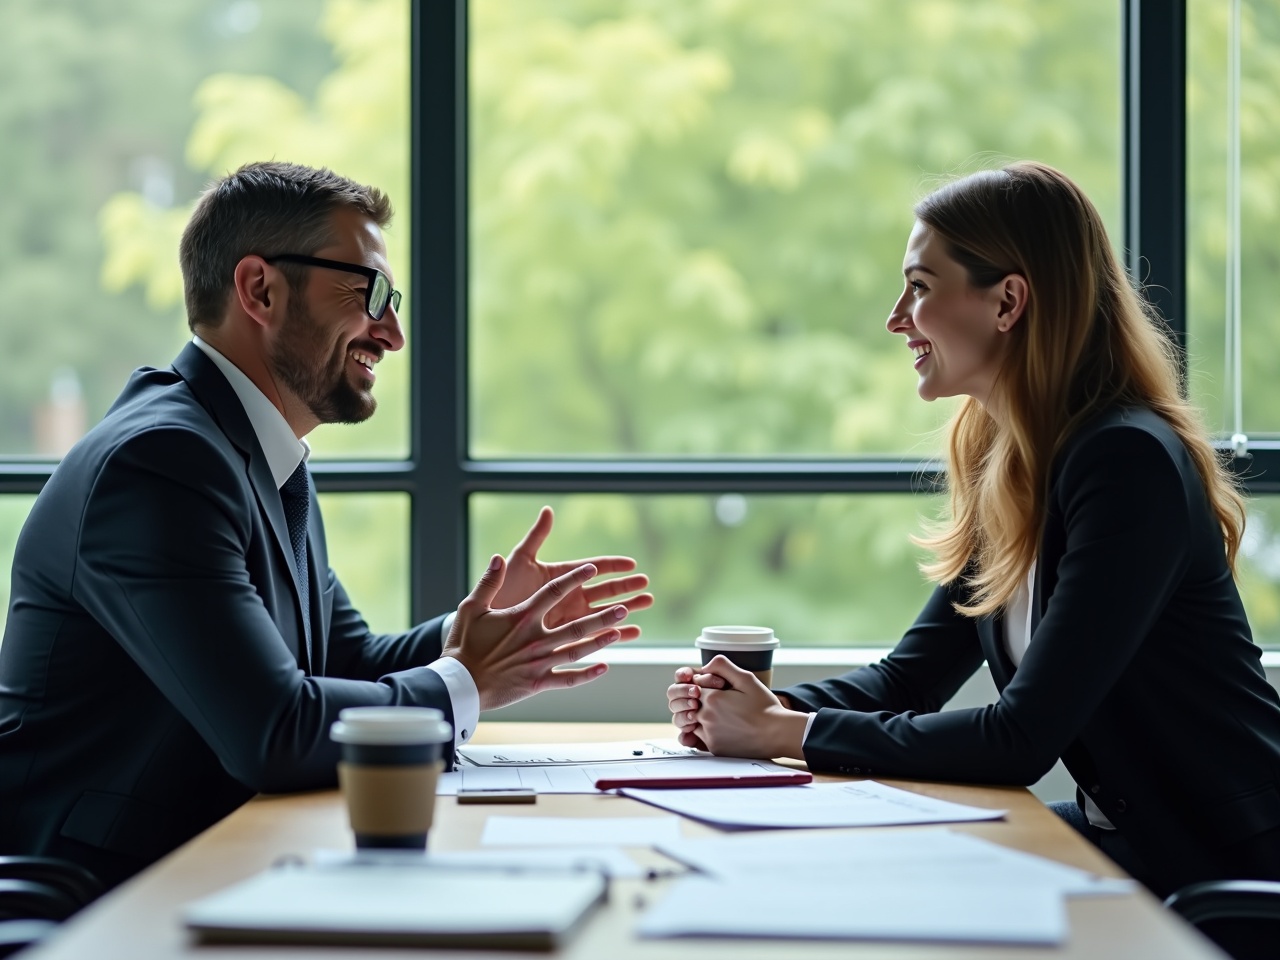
{"x": 1017, "y": 637}
{"x": 284, "y": 451}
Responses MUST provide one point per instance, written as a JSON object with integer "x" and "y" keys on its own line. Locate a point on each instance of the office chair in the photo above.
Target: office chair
{"x": 1241, "y": 916}
{"x": 36, "y": 893}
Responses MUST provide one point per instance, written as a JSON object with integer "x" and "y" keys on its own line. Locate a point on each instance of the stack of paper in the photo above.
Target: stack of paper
{"x": 581, "y": 778}
{"x": 862, "y": 909}
{"x": 916, "y": 885}
{"x": 910, "y": 857}
{"x": 926, "y": 885}
{"x": 401, "y": 903}
{"x": 545, "y": 754}
{"x": 575, "y": 767}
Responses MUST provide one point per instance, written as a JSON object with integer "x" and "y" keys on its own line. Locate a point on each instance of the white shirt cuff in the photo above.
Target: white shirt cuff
{"x": 463, "y": 695}
{"x": 807, "y": 727}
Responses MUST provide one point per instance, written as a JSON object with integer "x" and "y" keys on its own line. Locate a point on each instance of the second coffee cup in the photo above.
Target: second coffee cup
{"x": 391, "y": 760}
{"x": 750, "y": 648}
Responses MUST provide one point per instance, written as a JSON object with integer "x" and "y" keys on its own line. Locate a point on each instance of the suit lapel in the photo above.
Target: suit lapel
{"x": 317, "y": 561}
{"x": 217, "y": 396}
{"x": 991, "y": 635}
{"x": 1037, "y": 593}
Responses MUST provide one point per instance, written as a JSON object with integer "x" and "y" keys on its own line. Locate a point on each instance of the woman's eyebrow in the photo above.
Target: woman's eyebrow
{"x": 918, "y": 268}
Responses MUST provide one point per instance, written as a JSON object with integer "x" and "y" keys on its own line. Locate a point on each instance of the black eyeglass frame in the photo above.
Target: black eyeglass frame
{"x": 376, "y": 279}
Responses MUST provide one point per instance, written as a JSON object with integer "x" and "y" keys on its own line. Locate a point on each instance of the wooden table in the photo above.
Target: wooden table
{"x": 140, "y": 920}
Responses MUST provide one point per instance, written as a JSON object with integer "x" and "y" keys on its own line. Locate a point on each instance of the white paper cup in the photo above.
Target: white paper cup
{"x": 391, "y": 760}
{"x": 751, "y": 648}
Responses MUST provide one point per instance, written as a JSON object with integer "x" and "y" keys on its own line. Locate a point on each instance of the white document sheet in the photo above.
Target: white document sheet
{"x": 911, "y": 857}
{"x": 580, "y": 831}
{"x": 864, "y": 803}
{"x": 542, "y": 754}
{"x": 863, "y": 910}
{"x": 566, "y": 778}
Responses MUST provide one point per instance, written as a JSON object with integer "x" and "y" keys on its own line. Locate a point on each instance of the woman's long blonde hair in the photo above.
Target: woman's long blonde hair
{"x": 1086, "y": 341}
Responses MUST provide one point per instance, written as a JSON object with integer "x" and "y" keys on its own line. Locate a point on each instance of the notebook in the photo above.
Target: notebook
{"x": 401, "y": 904}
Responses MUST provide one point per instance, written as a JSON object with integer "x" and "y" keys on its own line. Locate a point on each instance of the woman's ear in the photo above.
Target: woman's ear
{"x": 1012, "y": 292}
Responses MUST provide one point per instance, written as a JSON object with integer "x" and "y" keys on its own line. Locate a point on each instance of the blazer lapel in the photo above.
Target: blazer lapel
{"x": 1037, "y": 598}
{"x": 991, "y": 635}
{"x": 317, "y": 561}
{"x": 213, "y": 390}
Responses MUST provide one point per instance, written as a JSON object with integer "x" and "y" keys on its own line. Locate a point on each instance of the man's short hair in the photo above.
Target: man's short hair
{"x": 263, "y": 208}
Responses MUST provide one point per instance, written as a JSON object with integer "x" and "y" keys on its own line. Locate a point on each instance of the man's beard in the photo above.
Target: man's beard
{"x": 297, "y": 358}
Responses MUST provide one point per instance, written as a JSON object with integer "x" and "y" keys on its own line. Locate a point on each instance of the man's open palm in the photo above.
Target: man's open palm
{"x": 526, "y": 574}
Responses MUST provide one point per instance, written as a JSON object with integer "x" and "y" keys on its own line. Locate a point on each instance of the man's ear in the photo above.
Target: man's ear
{"x": 1012, "y": 293}
{"x": 259, "y": 290}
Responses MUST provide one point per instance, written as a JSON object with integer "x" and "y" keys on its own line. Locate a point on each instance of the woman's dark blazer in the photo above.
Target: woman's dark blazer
{"x": 1141, "y": 674}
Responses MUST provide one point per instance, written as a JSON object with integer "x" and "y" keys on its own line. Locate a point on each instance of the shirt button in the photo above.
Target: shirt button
{"x": 1095, "y": 789}
{"x": 1121, "y": 806}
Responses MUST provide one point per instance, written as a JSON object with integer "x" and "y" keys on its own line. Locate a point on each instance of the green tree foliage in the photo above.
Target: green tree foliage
{"x": 687, "y": 230}
{"x": 95, "y": 96}
{"x": 115, "y": 113}
{"x": 1212, "y": 385}
{"x": 355, "y": 122}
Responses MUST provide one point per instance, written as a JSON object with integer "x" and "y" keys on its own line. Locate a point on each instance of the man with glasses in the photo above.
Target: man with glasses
{"x": 177, "y": 640}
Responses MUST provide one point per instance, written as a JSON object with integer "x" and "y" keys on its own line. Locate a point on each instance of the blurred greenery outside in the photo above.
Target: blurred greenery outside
{"x": 686, "y": 222}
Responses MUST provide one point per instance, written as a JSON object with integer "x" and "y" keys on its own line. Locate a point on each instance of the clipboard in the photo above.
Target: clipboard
{"x": 401, "y": 901}
{"x": 792, "y": 778}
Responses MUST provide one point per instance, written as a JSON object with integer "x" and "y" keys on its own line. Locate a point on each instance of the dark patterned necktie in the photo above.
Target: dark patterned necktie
{"x": 296, "y": 497}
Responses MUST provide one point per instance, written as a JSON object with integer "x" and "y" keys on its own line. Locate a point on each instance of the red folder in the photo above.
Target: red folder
{"x": 693, "y": 783}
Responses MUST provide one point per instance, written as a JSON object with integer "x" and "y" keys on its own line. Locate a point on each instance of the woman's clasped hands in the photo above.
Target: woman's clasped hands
{"x": 727, "y": 710}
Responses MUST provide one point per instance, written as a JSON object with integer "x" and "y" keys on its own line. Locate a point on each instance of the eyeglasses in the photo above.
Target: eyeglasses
{"x": 376, "y": 296}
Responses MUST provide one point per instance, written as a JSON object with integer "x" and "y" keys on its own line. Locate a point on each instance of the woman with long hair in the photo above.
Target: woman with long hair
{"x": 1088, "y": 557}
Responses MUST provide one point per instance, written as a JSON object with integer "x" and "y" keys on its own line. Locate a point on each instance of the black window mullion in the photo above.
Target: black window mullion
{"x": 1155, "y": 184}
{"x": 703, "y": 476}
{"x": 437, "y": 343}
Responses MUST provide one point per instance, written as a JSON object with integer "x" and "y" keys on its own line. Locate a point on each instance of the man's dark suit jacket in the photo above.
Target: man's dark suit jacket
{"x": 154, "y": 674}
{"x": 1141, "y": 674}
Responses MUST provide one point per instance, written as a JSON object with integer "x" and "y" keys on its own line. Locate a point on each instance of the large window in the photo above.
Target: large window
{"x": 1233, "y": 247}
{"x": 686, "y": 229}
{"x": 687, "y": 220}
{"x": 113, "y": 116}
{"x": 647, "y": 246}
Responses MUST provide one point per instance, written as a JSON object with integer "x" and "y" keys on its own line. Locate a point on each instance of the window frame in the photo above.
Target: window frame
{"x": 439, "y": 475}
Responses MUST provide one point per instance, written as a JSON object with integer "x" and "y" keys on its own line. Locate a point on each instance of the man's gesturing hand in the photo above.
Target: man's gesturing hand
{"x": 511, "y": 653}
{"x": 525, "y": 573}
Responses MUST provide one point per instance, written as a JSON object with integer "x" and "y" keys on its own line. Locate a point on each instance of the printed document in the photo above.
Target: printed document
{"x": 581, "y": 778}
{"x": 931, "y": 855}
{"x": 862, "y": 909}
{"x": 520, "y": 754}
{"x": 863, "y": 803}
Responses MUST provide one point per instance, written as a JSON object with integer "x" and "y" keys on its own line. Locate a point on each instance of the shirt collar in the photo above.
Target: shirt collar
{"x": 282, "y": 449}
